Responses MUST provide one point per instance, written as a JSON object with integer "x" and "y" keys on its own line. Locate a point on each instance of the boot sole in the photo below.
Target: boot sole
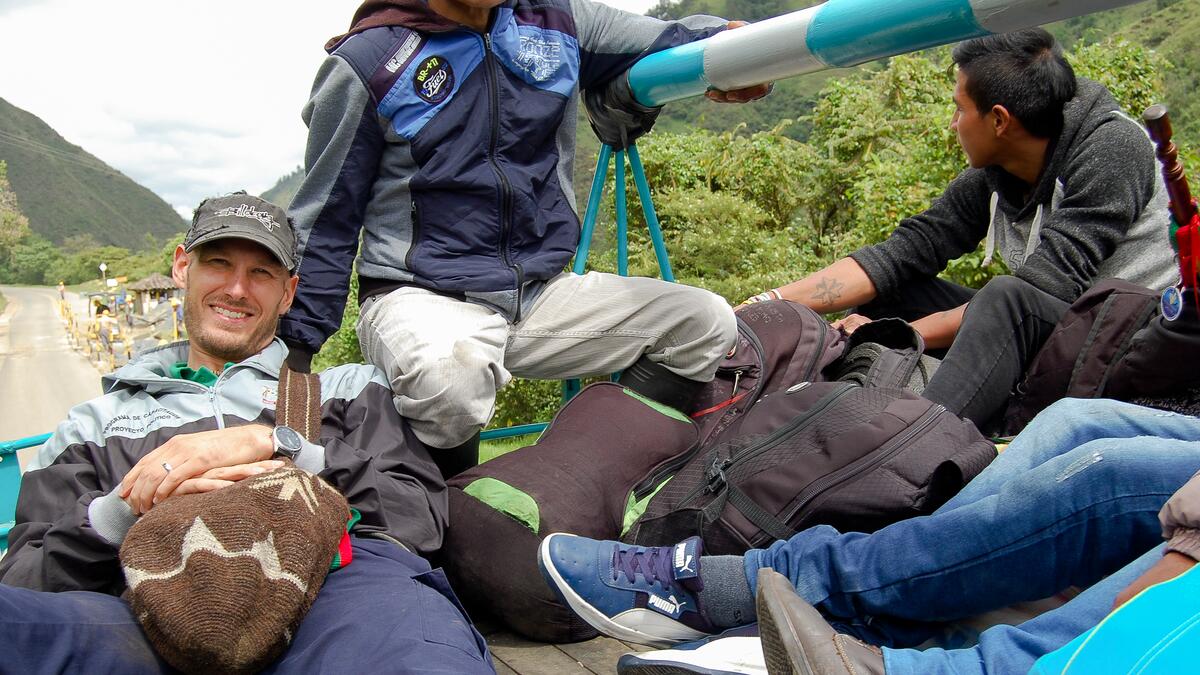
{"x": 782, "y": 656}
{"x": 666, "y": 669}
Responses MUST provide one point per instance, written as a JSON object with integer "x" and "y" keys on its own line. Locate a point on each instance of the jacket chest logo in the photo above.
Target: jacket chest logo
{"x": 434, "y": 79}
{"x": 138, "y": 424}
{"x": 539, "y": 57}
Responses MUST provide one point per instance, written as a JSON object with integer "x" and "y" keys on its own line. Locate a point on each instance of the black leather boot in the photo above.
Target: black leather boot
{"x": 654, "y": 381}
{"x": 453, "y": 461}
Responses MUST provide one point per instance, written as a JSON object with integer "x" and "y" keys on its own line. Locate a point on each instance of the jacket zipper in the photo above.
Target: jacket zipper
{"x": 415, "y": 216}
{"x": 715, "y": 474}
{"x": 505, "y": 186}
{"x": 862, "y": 465}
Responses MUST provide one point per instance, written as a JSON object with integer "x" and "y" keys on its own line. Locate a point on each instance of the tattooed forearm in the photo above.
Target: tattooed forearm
{"x": 828, "y": 291}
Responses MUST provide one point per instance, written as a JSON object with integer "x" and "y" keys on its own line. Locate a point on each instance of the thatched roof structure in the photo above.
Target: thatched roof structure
{"x": 154, "y": 282}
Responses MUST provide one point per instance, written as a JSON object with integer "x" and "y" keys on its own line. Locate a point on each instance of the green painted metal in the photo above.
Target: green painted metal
{"x": 509, "y": 432}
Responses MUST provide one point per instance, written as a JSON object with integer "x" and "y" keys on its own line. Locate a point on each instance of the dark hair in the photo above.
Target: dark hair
{"x": 1024, "y": 71}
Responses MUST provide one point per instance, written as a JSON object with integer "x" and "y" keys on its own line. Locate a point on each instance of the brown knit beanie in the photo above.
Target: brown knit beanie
{"x": 219, "y": 581}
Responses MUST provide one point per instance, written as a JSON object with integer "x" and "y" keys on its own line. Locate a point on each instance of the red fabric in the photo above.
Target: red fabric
{"x": 345, "y": 553}
{"x": 414, "y": 14}
{"x": 1187, "y": 238}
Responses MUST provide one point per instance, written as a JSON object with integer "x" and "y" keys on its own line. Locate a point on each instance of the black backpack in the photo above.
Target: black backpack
{"x": 779, "y": 343}
{"x": 886, "y": 353}
{"x": 857, "y": 458}
{"x": 1087, "y": 344}
{"x": 1113, "y": 342}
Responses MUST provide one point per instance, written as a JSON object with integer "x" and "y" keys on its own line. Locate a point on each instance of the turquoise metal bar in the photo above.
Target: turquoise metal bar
{"x": 656, "y": 236}
{"x": 593, "y": 207}
{"x": 849, "y": 32}
{"x": 622, "y": 216}
{"x": 10, "y": 480}
{"x": 836, "y": 33}
{"x": 669, "y": 75}
{"x": 509, "y": 432}
{"x": 9, "y": 447}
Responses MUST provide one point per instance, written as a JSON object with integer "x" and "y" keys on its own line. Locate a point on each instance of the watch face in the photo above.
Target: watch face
{"x": 287, "y": 438}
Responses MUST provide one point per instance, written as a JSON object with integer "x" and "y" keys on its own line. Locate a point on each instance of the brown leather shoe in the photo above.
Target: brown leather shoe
{"x": 796, "y": 639}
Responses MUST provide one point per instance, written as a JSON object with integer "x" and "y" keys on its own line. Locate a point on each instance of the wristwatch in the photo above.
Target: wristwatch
{"x": 287, "y": 442}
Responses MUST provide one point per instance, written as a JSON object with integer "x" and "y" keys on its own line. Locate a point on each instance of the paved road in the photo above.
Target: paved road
{"x": 41, "y": 376}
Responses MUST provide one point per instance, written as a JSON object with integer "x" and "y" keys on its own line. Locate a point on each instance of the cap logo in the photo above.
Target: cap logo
{"x": 246, "y": 211}
{"x": 434, "y": 79}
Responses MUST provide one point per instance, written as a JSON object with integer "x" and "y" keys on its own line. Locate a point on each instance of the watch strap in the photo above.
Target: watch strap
{"x": 299, "y": 403}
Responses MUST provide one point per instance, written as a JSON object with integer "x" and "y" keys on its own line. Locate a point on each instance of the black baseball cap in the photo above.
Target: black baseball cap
{"x": 243, "y": 216}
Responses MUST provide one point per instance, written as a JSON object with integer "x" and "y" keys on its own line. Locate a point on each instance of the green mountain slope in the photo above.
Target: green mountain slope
{"x": 285, "y": 188}
{"x": 1170, "y": 30}
{"x": 65, "y": 191}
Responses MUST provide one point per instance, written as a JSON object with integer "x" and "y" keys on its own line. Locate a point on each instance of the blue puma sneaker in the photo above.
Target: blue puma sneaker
{"x": 736, "y": 651}
{"x": 636, "y": 593}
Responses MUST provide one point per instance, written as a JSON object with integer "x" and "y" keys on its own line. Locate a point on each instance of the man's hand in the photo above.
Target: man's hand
{"x": 1172, "y": 565}
{"x": 739, "y": 95}
{"x": 224, "y": 476}
{"x": 157, "y": 475}
{"x": 851, "y": 323}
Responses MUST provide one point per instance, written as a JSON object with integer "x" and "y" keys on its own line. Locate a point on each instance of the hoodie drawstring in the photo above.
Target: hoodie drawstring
{"x": 1035, "y": 234}
{"x": 989, "y": 243}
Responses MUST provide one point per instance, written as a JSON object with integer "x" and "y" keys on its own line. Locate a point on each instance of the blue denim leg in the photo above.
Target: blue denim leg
{"x": 387, "y": 612}
{"x": 1066, "y": 425}
{"x": 1067, "y": 522}
{"x": 1013, "y": 649}
{"x": 74, "y": 632}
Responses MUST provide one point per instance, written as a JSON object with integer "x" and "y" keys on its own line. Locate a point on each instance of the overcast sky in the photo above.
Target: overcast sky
{"x": 189, "y": 99}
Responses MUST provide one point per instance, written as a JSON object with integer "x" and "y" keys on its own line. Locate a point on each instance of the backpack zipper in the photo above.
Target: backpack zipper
{"x": 816, "y": 357}
{"x": 862, "y": 465}
{"x": 737, "y": 376}
{"x": 715, "y": 473}
{"x": 647, "y": 485}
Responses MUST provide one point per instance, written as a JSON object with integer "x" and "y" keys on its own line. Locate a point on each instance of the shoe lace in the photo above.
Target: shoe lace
{"x": 653, "y": 563}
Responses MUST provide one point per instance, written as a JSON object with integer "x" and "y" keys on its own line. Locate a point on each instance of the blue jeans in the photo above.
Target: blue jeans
{"x": 1074, "y": 499}
{"x": 385, "y": 612}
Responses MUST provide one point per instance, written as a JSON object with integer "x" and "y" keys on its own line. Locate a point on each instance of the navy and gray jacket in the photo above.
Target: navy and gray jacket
{"x": 70, "y": 521}
{"x": 451, "y": 154}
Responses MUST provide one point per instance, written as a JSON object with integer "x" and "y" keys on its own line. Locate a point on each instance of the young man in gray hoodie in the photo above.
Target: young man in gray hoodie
{"x": 1062, "y": 184}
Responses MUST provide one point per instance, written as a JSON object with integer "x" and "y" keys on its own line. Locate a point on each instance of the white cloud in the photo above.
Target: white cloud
{"x": 189, "y": 100}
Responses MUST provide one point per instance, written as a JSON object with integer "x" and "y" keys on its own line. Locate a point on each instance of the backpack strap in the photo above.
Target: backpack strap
{"x": 756, "y": 514}
{"x": 299, "y": 403}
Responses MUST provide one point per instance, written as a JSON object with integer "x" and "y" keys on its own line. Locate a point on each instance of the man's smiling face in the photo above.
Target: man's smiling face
{"x": 235, "y": 292}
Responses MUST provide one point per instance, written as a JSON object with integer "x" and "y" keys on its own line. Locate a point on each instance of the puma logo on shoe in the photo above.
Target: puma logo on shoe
{"x": 683, "y": 559}
{"x": 669, "y": 606}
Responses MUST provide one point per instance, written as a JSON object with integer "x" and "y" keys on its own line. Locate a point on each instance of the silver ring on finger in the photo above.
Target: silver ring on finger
{"x": 167, "y": 467}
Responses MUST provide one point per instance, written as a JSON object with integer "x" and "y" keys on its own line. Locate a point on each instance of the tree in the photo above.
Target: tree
{"x": 14, "y": 226}
{"x": 30, "y": 261}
